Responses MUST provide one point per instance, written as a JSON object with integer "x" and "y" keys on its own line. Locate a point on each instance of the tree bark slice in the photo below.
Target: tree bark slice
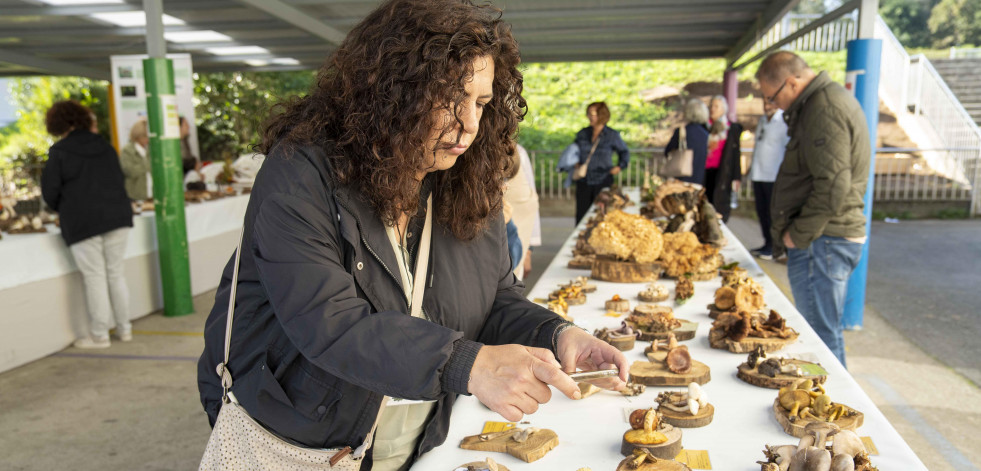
{"x": 796, "y": 428}
{"x": 625, "y": 272}
{"x": 656, "y": 373}
{"x": 537, "y": 445}
{"x": 754, "y": 377}
{"x": 668, "y": 450}
{"x": 686, "y": 420}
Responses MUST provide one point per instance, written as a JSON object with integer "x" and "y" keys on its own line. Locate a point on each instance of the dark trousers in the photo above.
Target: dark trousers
{"x": 718, "y": 199}
{"x": 763, "y": 193}
{"x": 585, "y": 195}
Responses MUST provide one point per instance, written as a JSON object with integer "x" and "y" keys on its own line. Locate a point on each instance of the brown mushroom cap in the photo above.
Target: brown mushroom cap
{"x": 740, "y": 329}
{"x": 679, "y": 360}
{"x": 637, "y": 419}
{"x": 725, "y": 298}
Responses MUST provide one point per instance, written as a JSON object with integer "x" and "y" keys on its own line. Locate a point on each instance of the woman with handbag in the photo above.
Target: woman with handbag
{"x": 696, "y": 135}
{"x": 596, "y": 143}
{"x": 723, "y": 172}
{"x": 374, "y": 262}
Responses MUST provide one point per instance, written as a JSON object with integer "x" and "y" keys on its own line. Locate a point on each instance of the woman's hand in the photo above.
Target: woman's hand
{"x": 513, "y": 380}
{"x": 615, "y": 170}
{"x": 578, "y": 349}
{"x": 736, "y": 185}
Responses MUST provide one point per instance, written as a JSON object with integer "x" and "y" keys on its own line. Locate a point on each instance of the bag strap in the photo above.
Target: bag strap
{"x": 591, "y": 151}
{"x": 683, "y": 137}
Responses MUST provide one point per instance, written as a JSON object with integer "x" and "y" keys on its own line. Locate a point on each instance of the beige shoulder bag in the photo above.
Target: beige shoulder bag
{"x": 580, "y": 172}
{"x": 238, "y": 442}
{"x": 679, "y": 162}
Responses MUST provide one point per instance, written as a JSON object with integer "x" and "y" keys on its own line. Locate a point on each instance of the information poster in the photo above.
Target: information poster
{"x": 129, "y": 96}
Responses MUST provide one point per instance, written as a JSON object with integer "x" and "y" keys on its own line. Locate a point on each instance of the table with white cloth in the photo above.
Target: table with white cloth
{"x": 42, "y": 303}
{"x": 590, "y": 430}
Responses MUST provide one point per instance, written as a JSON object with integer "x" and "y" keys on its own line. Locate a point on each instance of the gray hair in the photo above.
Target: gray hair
{"x": 725, "y": 103}
{"x": 780, "y": 65}
{"x": 696, "y": 111}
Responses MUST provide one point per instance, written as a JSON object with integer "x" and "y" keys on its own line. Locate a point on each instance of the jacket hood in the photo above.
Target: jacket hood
{"x": 82, "y": 143}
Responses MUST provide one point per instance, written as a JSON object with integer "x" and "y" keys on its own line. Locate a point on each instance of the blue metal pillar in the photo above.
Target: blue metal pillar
{"x": 862, "y": 78}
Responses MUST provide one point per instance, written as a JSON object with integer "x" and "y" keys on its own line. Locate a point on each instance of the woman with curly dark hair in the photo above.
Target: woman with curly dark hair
{"x": 84, "y": 183}
{"x": 407, "y": 132}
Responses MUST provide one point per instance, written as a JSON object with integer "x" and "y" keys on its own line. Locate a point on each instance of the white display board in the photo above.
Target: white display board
{"x": 129, "y": 94}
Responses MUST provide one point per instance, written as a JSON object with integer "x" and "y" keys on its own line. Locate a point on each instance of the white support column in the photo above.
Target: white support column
{"x": 867, "y": 13}
{"x": 155, "y": 44}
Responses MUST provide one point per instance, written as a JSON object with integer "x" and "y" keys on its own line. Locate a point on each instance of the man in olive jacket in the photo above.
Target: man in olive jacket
{"x": 818, "y": 194}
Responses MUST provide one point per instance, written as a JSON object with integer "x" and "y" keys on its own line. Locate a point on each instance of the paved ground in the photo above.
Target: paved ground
{"x": 135, "y": 406}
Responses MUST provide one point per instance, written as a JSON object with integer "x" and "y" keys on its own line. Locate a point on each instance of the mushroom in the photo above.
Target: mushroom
{"x": 821, "y": 431}
{"x": 847, "y": 442}
{"x": 770, "y": 367}
{"x": 756, "y": 357}
{"x": 738, "y": 331}
{"x": 37, "y": 223}
{"x": 637, "y": 419}
{"x": 790, "y": 369}
{"x": 725, "y": 298}
{"x": 811, "y": 458}
{"x": 782, "y": 455}
{"x": 678, "y": 359}
{"x": 696, "y": 395}
{"x": 842, "y": 463}
{"x": 793, "y": 400}
{"x": 821, "y": 404}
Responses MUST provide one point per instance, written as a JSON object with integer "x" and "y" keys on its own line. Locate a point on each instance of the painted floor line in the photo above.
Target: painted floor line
{"x": 125, "y": 357}
{"x": 168, "y": 332}
{"x": 950, "y": 452}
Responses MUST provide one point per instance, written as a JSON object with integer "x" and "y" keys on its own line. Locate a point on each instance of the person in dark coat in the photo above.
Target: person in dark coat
{"x": 696, "y": 139}
{"x": 83, "y": 182}
{"x": 600, "y": 170}
{"x": 418, "y": 106}
{"x": 723, "y": 171}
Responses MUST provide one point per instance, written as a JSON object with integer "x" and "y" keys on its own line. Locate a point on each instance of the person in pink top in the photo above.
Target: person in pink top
{"x": 722, "y": 166}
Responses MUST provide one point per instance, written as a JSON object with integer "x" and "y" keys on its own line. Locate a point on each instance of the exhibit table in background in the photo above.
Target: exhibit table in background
{"x": 42, "y": 303}
{"x": 590, "y": 430}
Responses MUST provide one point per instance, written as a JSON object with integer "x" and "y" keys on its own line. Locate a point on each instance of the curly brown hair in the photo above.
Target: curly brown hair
{"x": 377, "y": 98}
{"x": 64, "y": 116}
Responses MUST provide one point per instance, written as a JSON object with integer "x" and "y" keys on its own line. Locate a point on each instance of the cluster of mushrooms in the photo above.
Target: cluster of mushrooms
{"x": 654, "y": 293}
{"x": 692, "y": 400}
{"x": 737, "y": 326}
{"x": 806, "y": 400}
{"x": 678, "y": 359}
{"x": 653, "y": 318}
{"x": 772, "y": 366}
{"x": 846, "y": 453}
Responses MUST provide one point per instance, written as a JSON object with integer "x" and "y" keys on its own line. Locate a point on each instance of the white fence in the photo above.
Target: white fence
{"x": 831, "y": 37}
{"x": 965, "y": 52}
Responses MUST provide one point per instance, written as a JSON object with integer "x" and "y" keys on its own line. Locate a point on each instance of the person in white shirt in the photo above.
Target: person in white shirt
{"x": 771, "y": 142}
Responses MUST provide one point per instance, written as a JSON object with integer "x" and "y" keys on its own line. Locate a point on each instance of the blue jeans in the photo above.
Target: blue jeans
{"x": 819, "y": 280}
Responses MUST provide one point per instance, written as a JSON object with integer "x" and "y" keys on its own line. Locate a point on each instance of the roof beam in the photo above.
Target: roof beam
{"x": 776, "y": 10}
{"x": 74, "y": 10}
{"x": 50, "y": 66}
{"x": 297, "y": 18}
{"x": 140, "y": 31}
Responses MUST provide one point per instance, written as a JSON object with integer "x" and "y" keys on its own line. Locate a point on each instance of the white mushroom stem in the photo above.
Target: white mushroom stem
{"x": 784, "y": 455}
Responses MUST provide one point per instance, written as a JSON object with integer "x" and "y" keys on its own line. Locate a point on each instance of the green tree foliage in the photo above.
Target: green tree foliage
{"x": 24, "y": 144}
{"x": 908, "y": 20}
{"x": 956, "y": 23}
{"x": 231, "y": 107}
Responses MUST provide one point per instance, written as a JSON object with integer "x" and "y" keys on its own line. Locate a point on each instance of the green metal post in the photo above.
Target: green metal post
{"x": 168, "y": 186}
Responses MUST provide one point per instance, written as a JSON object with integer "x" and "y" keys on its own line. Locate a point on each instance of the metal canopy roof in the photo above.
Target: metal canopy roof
{"x": 61, "y": 37}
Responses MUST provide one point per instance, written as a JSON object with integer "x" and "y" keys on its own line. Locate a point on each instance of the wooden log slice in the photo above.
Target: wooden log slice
{"x": 684, "y": 332}
{"x": 618, "y": 305}
{"x": 667, "y": 450}
{"x": 796, "y": 428}
{"x": 754, "y": 377}
{"x": 623, "y": 344}
{"x": 484, "y": 465}
{"x": 576, "y": 301}
{"x": 625, "y": 272}
{"x": 532, "y": 449}
{"x": 653, "y": 299}
{"x": 656, "y": 373}
{"x": 749, "y": 344}
{"x": 686, "y": 420}
{"x": 661, "y": 465}
{"x": 581, "y": 262}
{"x": 715, "y": 311}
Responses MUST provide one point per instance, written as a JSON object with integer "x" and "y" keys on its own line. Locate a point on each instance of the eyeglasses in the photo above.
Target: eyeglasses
{"x": 771, "y": 99}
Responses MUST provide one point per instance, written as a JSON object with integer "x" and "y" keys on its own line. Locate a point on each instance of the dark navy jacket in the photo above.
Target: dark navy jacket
{"x": 600, "y": 164}
{"x": 320, "y": 329}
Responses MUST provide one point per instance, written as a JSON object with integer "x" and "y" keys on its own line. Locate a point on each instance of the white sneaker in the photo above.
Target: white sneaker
{"x": 92, "y": 343}
{"x": 126, "y": 336}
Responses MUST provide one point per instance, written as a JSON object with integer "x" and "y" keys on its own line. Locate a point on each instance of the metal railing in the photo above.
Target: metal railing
{"x": 828, "y": 38}
{"x": 901, "y": 174}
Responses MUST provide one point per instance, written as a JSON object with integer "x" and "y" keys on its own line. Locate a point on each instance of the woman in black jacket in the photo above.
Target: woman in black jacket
{"x": 597, "y": 143}
{"x": 83, "y": 182}
{"x": 696, "y": 139}
{"x": 417, "y": 107}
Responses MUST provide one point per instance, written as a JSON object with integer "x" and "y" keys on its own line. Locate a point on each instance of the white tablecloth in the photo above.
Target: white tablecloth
{"x": 590, "y": 430}
{"x": 34, "y": 257}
